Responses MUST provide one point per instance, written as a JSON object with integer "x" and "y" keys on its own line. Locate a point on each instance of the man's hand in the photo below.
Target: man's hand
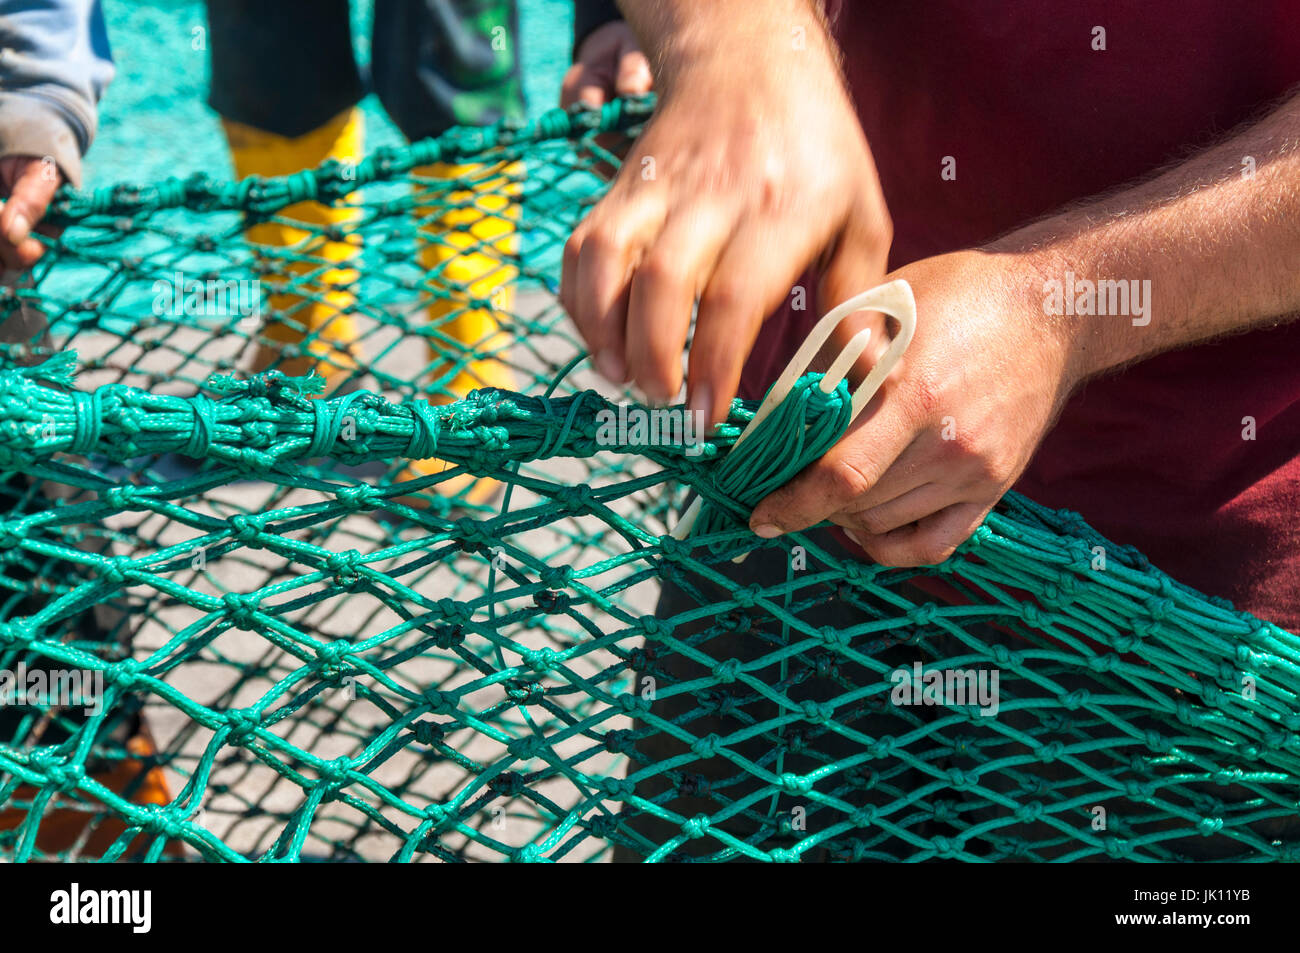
{"x": 28, "y": 183}
{"x": 753, "y": 167}
{"x": 992, "y": 362}
{"x": 609, "y": 64}
{"x": 952, "y": 428}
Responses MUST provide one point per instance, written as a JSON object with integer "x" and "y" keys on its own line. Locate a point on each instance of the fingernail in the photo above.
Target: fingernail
{"x": 701, "y": 406}
{"x": 853, "y": 536}
{"x": 19, "y": 229}
{"x": 611, "y": 367}
{"x": 767, "y": 530}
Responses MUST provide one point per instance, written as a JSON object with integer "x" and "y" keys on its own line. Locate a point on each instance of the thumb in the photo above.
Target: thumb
{"x": 33, "y": 189}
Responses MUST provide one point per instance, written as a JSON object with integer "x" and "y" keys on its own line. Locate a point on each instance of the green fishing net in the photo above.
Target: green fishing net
{"x": 238, "y": 623}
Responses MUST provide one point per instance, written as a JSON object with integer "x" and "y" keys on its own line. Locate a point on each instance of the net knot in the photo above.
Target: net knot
{"x": 330, "y": 655}
{"x": 345, "y": 567}
{"x": 945, "y": 847}
{"x": 696, "y": 827}
{"x": 555, "y": 577}
{"x": 246, "y": 530}
{"x": 1104, "y": 663}
{"x": 1075, "y": 699}
{"x": 619, "y": 741}
{"x": 60, "y": 774}
{"x": 529, "y": 746}
{"x": 882, "y": 747}
{"x": 960, "y": 780}
{"x": 576, "y": 499}
{"x": 159, "y": 820}
{"x": 924, "y": 614}
{"x": 453, "y": 612}
{"x": 16, "y": 632}
{"x": 116, "y": 570}
{"x": 1031, "y": 614}
{"x": 655, "y": 628}
{"x": 834, "y": 638}
{"x": 728, "y": 671}
{"x": 1157, "y": 742}
{"x": 747, "y": 597}
{"x": 541, "y": 660}
{"x": 1050, "y": 752}
{"x": 124, "y": 674}
{"x": 240, "y": 609}
{"x": 1029, "y": 812}
{"x": 617, "y": 787}
{"x": 632, "y": 703}
{"x": 866, "y": 816}
{"x": 122, "y": 497}
{"x": 818, "y": 713}
{"x": 358, "y": 498}
{"x": 1139, "y": 790}
{"x": 528, "y": 854}
{"x": 243, "y": 723}
{"x": 508, "y": 784}
{"x": 795, "y": 784}
{"x": 439, "y": 702}
{"x": 1004, "y": 657}
{"x": 779, "y": 855}
{"x": 329, "y": 419}
{"x": 336, "y": 772}
{"x": 448, "y": 636}
{"x": 1116, "y": 848}
{"x": 707, "y": 746}
{"x": 429, "y": 732}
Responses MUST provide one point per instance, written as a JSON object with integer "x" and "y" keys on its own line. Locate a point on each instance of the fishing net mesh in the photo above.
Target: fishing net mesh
{"x": 318, "y": 544}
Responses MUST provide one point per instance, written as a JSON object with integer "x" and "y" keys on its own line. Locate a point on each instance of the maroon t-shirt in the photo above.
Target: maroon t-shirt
{"x": 1035, "y": 118}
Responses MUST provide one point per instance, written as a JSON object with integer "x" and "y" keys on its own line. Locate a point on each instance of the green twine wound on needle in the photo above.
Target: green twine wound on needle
{"x": 800, "y": 430}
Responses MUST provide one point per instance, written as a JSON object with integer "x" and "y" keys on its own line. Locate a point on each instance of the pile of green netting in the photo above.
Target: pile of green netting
{"x": 237, "y": 626}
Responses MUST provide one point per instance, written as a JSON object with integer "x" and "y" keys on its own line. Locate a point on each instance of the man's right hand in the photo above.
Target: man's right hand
{"x": 753, "y": 168}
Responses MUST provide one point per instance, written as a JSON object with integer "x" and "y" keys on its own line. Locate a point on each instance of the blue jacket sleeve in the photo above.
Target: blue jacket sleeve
{"x": 54, "y": 67}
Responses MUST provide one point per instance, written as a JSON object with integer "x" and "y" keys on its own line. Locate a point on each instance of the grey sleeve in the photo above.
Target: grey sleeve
{"x": 54, "y": 66}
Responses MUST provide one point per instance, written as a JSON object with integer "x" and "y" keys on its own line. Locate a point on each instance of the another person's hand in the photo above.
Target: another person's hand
{"x": 608, "y": 64}
{"x": 753, "y": 168}
{"x": 27, "y": 184}
{"x": 954, "y": 425}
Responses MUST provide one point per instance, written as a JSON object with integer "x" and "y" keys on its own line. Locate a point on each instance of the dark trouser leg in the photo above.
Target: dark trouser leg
{"x": 443, "y": 63}
{"x": 282, "y": 66}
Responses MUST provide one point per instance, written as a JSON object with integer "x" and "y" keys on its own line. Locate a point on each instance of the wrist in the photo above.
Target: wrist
{"x": 780, "y": 36}
{"x": 1092, "y": 296}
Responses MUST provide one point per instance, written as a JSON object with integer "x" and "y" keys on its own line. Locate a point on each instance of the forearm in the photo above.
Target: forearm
{"x": 1217, "y": 238}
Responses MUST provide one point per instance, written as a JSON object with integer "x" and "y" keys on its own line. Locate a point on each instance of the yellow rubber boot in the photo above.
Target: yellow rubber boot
{"x": 315, "y": 332}
{"x": 469, "y": 252}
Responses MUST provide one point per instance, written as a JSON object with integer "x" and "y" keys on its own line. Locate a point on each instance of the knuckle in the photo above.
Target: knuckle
{"x": 601, "y": 242}
{"x": 660, "y": 270}
{"x": 873, "y": 522}
{"x": 927, "y": 393}
{"x": 724, "y": 295}
{"x": 842, "y": 481}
